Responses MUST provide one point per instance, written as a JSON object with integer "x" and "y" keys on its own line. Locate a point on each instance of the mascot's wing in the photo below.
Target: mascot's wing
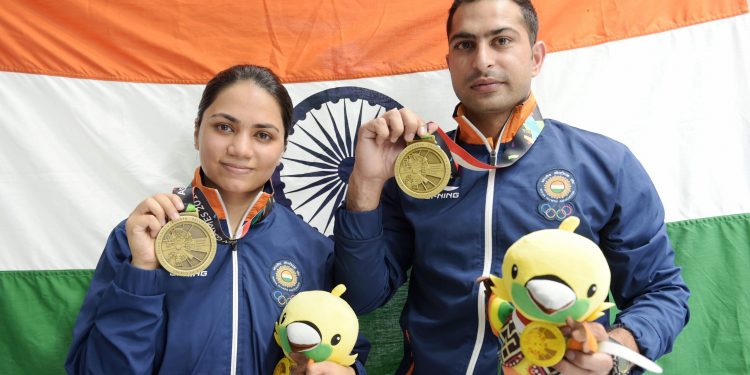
{"x": 599, "y": 311}
{"x": 348, "y": 360}
{"x": 276, "y": 334}
{"x": 499, "y": 307}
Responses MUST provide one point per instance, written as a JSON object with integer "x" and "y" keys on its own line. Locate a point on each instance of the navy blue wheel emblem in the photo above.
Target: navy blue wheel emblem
{"x": 314, "y": 172}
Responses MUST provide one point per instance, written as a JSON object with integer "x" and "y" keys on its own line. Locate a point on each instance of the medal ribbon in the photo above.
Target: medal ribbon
{"x": 513, "y": 150}
{"x": 193, "y": 195}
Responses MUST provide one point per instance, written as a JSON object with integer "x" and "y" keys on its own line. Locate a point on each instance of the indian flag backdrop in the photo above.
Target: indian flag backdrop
{"x": 98, "y": 98}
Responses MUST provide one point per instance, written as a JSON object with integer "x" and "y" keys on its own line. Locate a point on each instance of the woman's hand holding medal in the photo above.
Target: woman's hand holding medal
{"x": 145, "y": 222}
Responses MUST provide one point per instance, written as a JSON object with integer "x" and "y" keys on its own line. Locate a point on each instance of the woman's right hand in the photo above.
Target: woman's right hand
{"x": 144, "y": 224}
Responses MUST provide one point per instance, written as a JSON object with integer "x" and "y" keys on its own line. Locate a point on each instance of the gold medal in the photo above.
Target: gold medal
{"x": 543, "y": 344}
{"x": 284, "y": 367}
{"x": 422, "y": 169}
{"x": 186, "y": 246}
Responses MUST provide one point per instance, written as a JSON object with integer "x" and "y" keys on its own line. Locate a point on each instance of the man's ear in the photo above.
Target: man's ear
{"x": 538, "y": 52}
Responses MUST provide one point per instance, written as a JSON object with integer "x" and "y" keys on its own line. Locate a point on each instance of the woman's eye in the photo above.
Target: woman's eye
{"x": 264, "y": 136}
{"x": 224, "y": 128}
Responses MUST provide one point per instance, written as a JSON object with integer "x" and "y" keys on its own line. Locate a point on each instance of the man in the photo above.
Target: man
{"x": 545, "y": 172}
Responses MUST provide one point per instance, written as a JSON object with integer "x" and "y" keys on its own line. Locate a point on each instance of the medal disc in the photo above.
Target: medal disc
{"x": 543, "y": 344}
{"x": 422, "y": 169}
{"x": 284, "y": 367}
{"x": 185, "y": 246}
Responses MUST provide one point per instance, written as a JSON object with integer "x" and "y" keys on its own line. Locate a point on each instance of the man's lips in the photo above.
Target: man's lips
{"x": 485, "y": 85}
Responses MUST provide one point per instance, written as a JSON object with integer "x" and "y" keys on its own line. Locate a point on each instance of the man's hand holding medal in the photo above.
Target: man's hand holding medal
{"x": 380, "y": 141}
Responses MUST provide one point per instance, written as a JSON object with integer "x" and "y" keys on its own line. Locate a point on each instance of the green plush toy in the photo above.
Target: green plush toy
{"x": 548, "y": 276}
{"x": 318, "y": 324}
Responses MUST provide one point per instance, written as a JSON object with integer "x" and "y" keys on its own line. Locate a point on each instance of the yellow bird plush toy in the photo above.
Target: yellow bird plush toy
{"x": 548, "y": 276}
{"x": 318, "y": 324}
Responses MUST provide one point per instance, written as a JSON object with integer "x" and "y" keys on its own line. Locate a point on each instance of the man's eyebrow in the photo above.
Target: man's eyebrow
{"x": 462, "y": 35}
{"x": 467, "y": 35}
{"x": 226, "y": 116}
{"x": 500, "y": 31}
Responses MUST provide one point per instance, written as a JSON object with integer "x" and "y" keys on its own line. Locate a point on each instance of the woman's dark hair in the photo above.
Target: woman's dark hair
{"x": 261, "y": 76}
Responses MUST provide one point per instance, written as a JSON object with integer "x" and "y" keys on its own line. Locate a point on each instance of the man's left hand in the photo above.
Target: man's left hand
{"x": 584, "y": 361}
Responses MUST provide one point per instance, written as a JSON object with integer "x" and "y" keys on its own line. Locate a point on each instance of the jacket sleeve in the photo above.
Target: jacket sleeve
{"x": 646, "y": 284}
{"x": 362, "y": 346}
{"x": 120, "y": 328}
{"x": 374, "y": 250}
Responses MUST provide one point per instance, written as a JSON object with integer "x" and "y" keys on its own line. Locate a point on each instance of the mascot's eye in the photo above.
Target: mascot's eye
{"x": 283, "y": 317}
{"x": 335, "y": 339}
{"x": 514, "y": 271}
{"x": 592, "y": 290}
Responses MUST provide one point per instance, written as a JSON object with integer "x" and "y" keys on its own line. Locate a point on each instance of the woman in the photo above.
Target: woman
{"x": 138, "y": 318}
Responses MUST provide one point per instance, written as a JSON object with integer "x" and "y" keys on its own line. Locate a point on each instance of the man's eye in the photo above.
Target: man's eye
{"x": 503, "y": 41}
{"x": 463, "y": 45}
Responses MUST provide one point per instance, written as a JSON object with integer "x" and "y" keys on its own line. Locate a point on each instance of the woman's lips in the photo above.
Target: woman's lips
{"x": 234, "y": 168}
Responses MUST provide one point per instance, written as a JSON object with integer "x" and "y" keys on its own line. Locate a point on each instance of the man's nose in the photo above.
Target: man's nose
{"x": 483, "y": 59}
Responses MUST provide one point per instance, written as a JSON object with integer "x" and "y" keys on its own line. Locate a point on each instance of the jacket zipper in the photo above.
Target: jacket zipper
{"x": 235, "y": 303}
{"x": 488, "y": 208}
{"x": 236, "y": 283}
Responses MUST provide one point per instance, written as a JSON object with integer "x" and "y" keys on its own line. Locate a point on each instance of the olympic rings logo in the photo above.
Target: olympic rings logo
{"x": 552, "y": 213}
{"x": 281, "y": 298}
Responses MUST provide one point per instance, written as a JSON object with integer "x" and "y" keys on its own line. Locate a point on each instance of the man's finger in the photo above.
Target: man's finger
{"x": 411, "y": 123}
{"x": 379, "y": 129}
{"x": 395, "y": 124}
{"x": 429, "y": 128}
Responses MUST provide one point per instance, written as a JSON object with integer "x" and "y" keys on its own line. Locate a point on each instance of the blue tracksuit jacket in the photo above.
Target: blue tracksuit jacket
{"x": 451, "y": 239}
{"x": 142, "y": 322}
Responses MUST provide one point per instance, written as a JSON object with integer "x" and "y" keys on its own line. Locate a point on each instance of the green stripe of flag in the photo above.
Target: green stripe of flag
{"x": 715, "y": 256}
{"x": 37, "y": 312}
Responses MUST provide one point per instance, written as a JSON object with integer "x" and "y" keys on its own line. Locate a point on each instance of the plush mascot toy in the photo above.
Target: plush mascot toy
{"x": 548, "y": 276}
{"x": 318, "y": 324}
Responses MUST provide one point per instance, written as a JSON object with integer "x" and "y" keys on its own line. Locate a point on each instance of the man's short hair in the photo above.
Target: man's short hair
{"x": 527, "y": 9}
